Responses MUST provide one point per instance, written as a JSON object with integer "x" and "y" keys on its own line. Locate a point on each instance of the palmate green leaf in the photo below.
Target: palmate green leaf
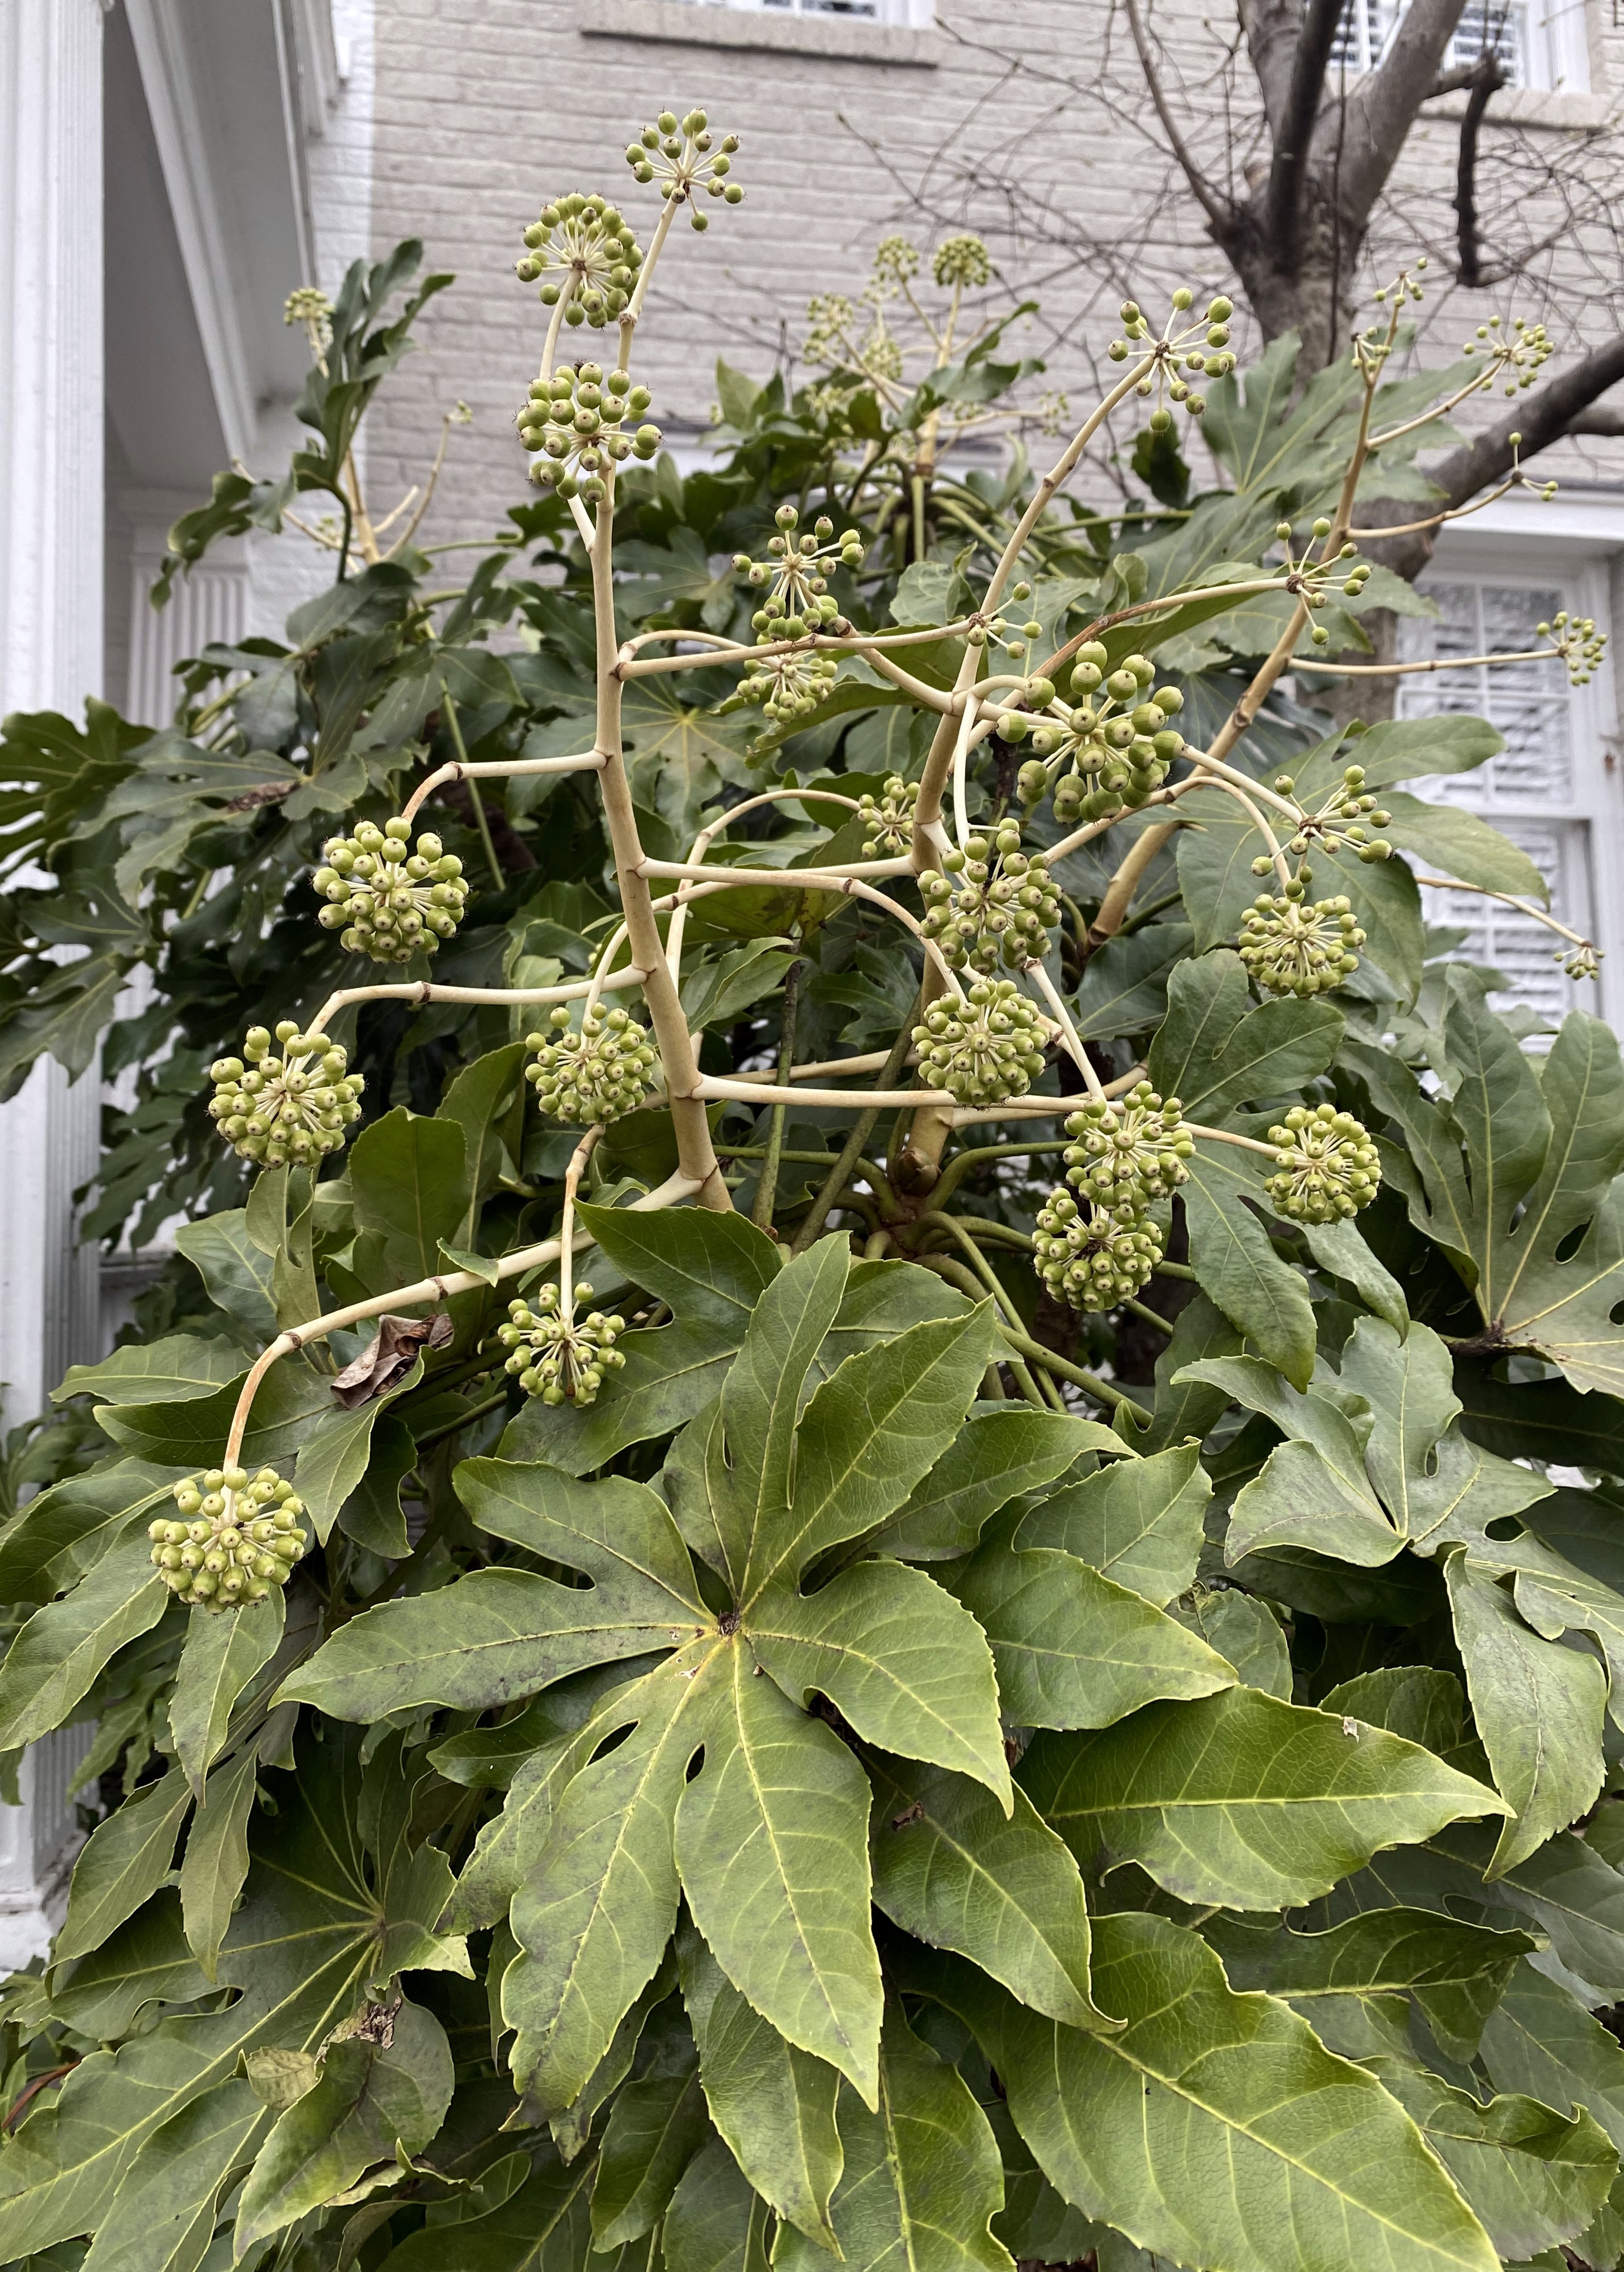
{"x": 1214, "y": 2128}
{"x": 711, "y": 1270}
{"x": 1246, "y": 1633}
{"x": 501, "y": 1633}
{"x": 1242, "y": 1800}
{"x": 900, "y": 1659}
{"x": 57, "y": 1655}
{"x": 1002, "y": 1451}
{"x": 65, "y": 1531}
{"x": 772, "y": 1844}
{"x": 716, "y": 2223}
{"x": 1218, "y": 1054}
{"x": 655, "y": 2127}
{"x": 1535, "y": 2177}
{"x": 292, "y": 1401}
{"x": 220, "y": 1656}
{"x": 774, "y": 2104}
{"x": 1531, "y": 1209}
{"x": 1073, "y": 1649}
{"x": 236, "y": 1273}
{"x": 1456, "y": 1972}
{"x": 1539, "y": 2041}
{"x": 952, "y": 1871}
{"x": 1138, "y": 1522}
{"x": 146, "y": 1373}
{"x": 408, "y": 1177}
{"x": 333, "y": 1459}
{"x": 1462, "y": 843}
{"x": 123, "y": 1862}
{"x": 681, "y": 753}
{"x": 165, "y": 2212}
{"x": 1124, "y": 989}
{"x": 1415, "y": 1701}
{"x": 370, "y": 2096}
{"x": 1312, "y": 1491}
{"x": 543, "y": 2226}
{"x": 144, "y": 1962}
{"x": 1182, "y": 1411}
{"x": 1237, "y": 1266}
{"x": 216, "y": 1864}
{"x": 594, "y": 1918}
{"x": 763, "y": 1484}
{"x": 922, "y": 2180}
{"x": 311, "y": 1935}
{"x": 1538, "y": 1708}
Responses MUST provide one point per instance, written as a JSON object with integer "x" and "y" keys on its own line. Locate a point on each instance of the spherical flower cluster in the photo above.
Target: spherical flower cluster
{"x": 797, "y": 570}
{"x": 1580, "y": 961}
{"x": 963, "y": 260}
{"x": 597, "y": 1072}
{"x": 1291, "y": 945}
{"x": 1326, "y": 1166}
{"x": 1003, "y": 908}
{"x": 1578, "y": 642}
{"x": 888, "y": 818}
{"x": 387, "y": 897}
{"x": 310, "y": 309}
{"x": 1119, "y": 737}
{"x": 576, "y": 419}
{"x": 679, "y": 152}
{"x": 1093, "y": 1260}
{"x": 1346, "y": 817}
{"x": 236, "y": 1539}
{"x": 790, "y": 685}
{"x": 588, "y": 256}
{"x": 288, "y": 1109}
{"x": 982, "y": 1047}
{"x": 1123, "y": 1155}
{"x": 560, "y": 1358}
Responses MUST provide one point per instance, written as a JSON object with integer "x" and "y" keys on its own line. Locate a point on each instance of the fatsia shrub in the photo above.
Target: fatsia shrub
{"x": 1025, "y": 1673}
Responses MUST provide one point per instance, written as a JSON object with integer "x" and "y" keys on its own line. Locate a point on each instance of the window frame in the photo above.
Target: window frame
{"x": 1573, "y": 545}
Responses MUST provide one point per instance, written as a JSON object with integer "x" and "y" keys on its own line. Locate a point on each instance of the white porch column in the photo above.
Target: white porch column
{"x": 51, "y": 491}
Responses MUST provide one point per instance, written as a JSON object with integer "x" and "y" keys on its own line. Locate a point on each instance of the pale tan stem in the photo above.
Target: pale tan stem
{"x": 421, "y": 991}
{"x": 409, "y": 1297}
{"x": 1232, "y": 1136}
{"x": 550, "y": 348}
{"x": 1079, "y": 1055}
{"x": 696, "y": 1153}
{"x": 572, "y": 1175}
{"x": 1120, "y": 890}
{"x": 1506, "y": 899}
{"x": 589, "y": 761}
{"x": 1436, "y": 662}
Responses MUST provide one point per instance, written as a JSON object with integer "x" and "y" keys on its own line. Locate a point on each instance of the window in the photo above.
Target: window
{"x": 1548, "y": 789}
{"x": 1540, "y": 42}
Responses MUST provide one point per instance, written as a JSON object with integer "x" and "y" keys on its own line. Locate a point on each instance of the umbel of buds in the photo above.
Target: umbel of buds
{"x": 284, "y": 1110}
{"x": 678, "y": 154}
{"x": 790, "y": 685}
{"x": 1119, "y": 736}
{"x": 577, "y": 420}
{"x": 236, "y": 1540}
{"x": 587, "y": 254}
{"x": 596, "y": 1073}
{"x": 1093, "y": 1259}
{"x": 797, "y": 572}
{"x": 983, "y": 1046}
{"x": 560, "y": 1358}
{"x": 888, "y": 818}
{"x": 1326, "y": 1168}
{"x": 1003, "y": 910}
{"x": 1291, "y": 945}
{"x": 1125, "y": 1155}
{"x": 388, "y": 897}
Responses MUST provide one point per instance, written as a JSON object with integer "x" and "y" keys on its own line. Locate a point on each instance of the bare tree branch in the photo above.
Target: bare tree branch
{"x": 1294, "y": 131}
{"x": 1217, "y": 207}
{"x": 1602, "y": 420}
{"x": 1274, "y": 35}
{"x": 1488, "y": 74}
{"x": 1547, "y": 416}
{"x": 1381, "y": 110}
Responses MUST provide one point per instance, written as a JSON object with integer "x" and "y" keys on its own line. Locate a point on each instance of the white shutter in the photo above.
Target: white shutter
{"x": 1548, "y": 790}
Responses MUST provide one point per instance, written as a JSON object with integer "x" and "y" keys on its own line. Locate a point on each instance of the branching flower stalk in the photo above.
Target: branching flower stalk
{"x": 982, "y": 1039}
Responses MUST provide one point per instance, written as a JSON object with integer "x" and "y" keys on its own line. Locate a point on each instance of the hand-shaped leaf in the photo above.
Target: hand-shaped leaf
{"x": 1215, "y": 2128}
{"x": 1242, "y": 1800}
{"x": 1138, "y": 1522}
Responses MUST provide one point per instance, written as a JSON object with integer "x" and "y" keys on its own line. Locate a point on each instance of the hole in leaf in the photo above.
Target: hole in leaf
{"x": 1569, "y": 1244}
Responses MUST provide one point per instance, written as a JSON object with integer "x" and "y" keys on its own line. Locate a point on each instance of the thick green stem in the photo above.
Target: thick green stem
{"x": 767, "y": 1186}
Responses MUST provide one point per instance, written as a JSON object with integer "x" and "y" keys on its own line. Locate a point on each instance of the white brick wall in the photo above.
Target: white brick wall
{"x": 485, "y": 108}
